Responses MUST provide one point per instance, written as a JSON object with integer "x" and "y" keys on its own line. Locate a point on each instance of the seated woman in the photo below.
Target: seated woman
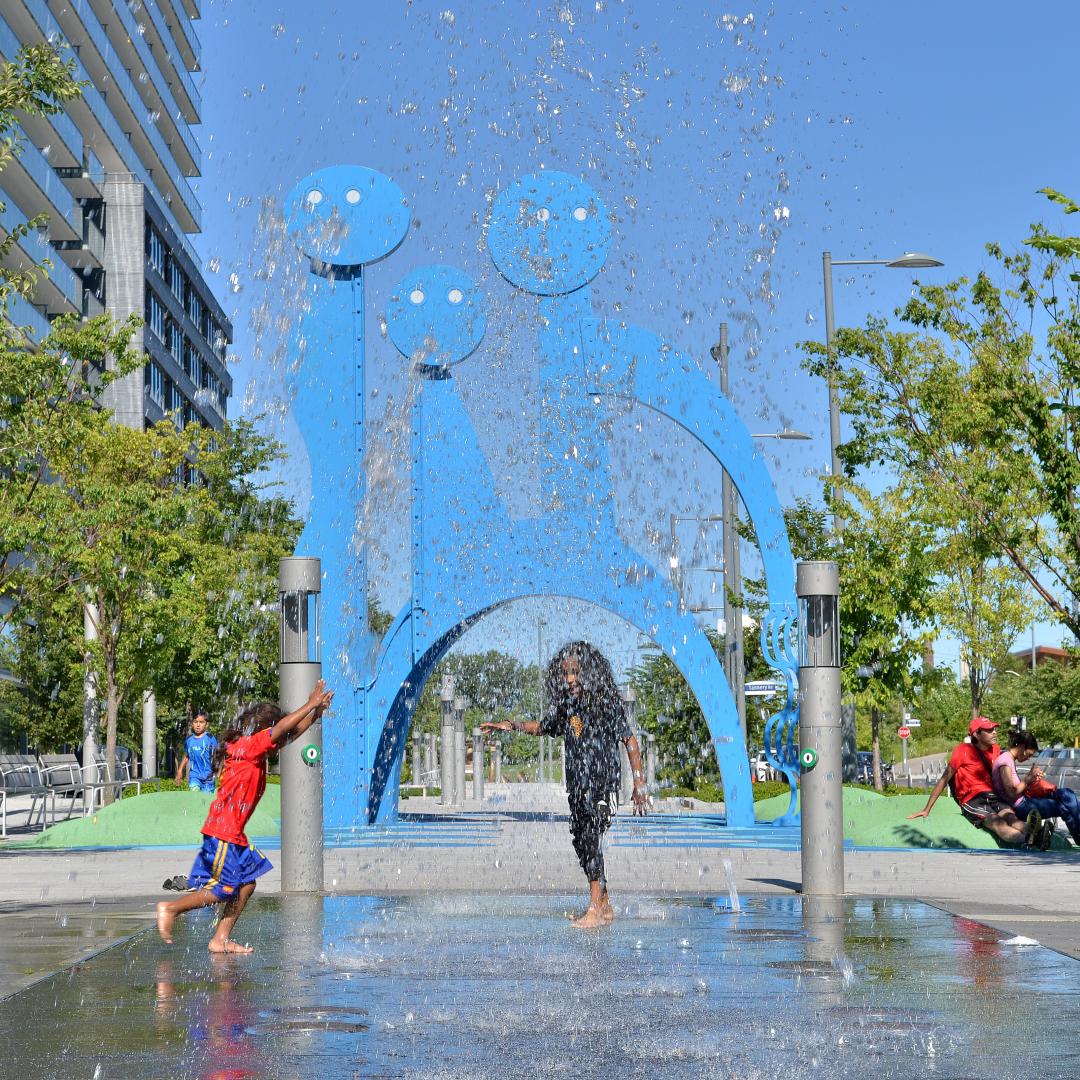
{"x": 1034, "y": 792}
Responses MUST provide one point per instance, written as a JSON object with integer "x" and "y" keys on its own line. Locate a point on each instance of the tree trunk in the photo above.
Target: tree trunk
{"x": 112, "y": 710}
{"x": 875, "y": 736}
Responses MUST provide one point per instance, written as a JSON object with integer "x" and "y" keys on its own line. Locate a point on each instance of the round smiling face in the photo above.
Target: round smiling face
{"x": 549, "y": 233}
{"x": 435, "y": 316}
{"x": 347, "y": 215}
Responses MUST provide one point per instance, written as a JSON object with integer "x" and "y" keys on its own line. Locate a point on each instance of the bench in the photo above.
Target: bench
{"x": 20, "y": 776}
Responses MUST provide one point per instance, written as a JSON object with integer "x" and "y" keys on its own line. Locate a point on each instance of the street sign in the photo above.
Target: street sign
{"x": 904, "y": 732}
{"x": 912, "y": 722}
{"x": 763, "y": 688}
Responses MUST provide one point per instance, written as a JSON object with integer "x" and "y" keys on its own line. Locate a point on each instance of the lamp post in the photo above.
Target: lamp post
{"x": 912, "y": 260}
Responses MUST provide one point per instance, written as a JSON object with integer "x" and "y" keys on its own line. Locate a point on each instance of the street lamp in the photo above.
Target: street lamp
{"x": 786, "y": 433}
{"x": 912, "y": 260}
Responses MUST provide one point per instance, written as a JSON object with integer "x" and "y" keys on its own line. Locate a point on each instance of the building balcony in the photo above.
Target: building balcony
{"x": 132, "y": 52}
{"x": 59, "y": 292}
{"x": 178, "y": 22}
{"x": 30, "y": 181}
{"x": 57, "y": 132}
{"x": 179, "y": 59}
{"x": 104, "y": 65}
{"x": 21, "y": 312}
{"x": 100, "y": 128}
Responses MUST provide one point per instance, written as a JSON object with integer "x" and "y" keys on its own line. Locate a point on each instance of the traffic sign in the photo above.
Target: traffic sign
{"x": 904, "y": 732}
{"x": 912, "y": 722}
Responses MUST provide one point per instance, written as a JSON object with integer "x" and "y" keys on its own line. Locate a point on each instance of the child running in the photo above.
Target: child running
{"x": 199, "y": 749}
{"x": 226, "y": 867}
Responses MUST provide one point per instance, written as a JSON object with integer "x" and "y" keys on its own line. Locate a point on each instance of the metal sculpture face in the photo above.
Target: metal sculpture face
{"x": 347, "y": 215}
{"x": 549, "y": 235}
{"x": 436, "y": 317}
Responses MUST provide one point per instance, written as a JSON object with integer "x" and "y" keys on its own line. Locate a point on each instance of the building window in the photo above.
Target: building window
{"x": 195, "y": 309}
{"x": 176, "y": 341}
{"x": 155, "y": 249}
{"x": 155, "y": 384}
{"x": 155, "y": 315}
{"x": 176, "y": 279}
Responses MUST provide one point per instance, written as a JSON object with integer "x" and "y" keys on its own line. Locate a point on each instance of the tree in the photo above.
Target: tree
{"x": 977, "y": 400}
{"x": 886, "y": 583}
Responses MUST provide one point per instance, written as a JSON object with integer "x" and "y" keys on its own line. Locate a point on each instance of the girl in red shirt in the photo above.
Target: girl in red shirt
{"x": 226, "y": 867}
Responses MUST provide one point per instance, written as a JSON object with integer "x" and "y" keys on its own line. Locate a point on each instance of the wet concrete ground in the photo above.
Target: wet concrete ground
{"x": 58, "y": 907}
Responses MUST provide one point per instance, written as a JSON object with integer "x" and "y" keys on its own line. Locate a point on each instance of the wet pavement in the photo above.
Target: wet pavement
{"x": 465, "y": 985}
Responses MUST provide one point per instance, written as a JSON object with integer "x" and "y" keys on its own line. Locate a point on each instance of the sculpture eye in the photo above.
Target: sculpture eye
{"x": 455, "y": 296}
{"x": 352, "y": 196}
{"x": 580, "y": 213}
{"x": 543, "y": 214}
{"x": 314, "y": 197}
{"x": 417, "y": 296}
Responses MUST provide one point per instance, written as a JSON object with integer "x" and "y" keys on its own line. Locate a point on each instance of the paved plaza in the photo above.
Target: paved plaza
{"x": 59, "y": 907}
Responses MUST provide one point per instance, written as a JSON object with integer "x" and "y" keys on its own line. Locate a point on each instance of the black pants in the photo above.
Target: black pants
{"x": 589, "y": 820}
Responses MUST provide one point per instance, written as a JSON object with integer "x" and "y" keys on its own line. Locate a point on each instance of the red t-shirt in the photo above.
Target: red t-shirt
{"x": 972, "y": 776}
{"x": 242, "y": 783}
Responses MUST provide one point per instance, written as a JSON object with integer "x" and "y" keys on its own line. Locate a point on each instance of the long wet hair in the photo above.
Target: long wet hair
{"x": 598, "y": 686}
{"x": 254, "y": 718}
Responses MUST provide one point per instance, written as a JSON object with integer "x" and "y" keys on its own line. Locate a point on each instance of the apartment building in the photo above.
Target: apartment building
{"x": 112, "y": 172}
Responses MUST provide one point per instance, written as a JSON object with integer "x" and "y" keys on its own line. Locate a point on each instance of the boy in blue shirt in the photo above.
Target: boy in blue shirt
{"x": 199, "y": 748}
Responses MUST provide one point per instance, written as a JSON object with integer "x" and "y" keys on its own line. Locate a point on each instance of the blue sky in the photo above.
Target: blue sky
{"x": 733, "y": 145}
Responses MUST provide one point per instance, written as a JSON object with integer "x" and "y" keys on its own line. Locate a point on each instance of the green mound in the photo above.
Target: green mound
{"x": 872, "y": 820}
{"x": 157, "y": 819}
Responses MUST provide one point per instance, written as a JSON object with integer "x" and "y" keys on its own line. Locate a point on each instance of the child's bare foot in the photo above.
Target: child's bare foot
{"x": 607, "y": 912}
{"x": 591, "y": 920}
{"x": 165, "y": 920}
{"x": 221, "y": 948}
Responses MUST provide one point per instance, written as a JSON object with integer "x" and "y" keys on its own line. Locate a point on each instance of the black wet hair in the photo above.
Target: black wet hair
{"x": 1023, "y": 739}
{"x": 262, "y": 714}
{"x": 598, "y": 684}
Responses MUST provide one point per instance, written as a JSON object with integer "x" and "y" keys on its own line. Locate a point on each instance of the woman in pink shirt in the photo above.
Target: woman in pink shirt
{"x": 1033, "y": 792}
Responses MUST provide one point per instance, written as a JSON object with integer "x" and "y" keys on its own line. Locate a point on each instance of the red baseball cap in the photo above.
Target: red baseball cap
{"x": 981, "y": 723}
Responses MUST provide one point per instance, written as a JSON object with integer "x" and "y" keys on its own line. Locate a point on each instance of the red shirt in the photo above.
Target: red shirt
{"x": 242, "y": 783}
{"x": 972, "y": 776}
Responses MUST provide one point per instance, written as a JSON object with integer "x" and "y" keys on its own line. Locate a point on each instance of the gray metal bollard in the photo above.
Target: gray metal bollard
{"x": 301, "y": 765}
{"x": 496, "y": 752}
{"x": 459, "y": 750}
{"x": 149, "y": 735}
{"x": 477, "y": 765}
{"x": 650, "y": 762}
{"x": 416, "y": 759}
{"x": 429, "y": 754}
{"x": 626, "y": 778}
{"x": 446, "y": 745}
{"x": 820, "y": 736}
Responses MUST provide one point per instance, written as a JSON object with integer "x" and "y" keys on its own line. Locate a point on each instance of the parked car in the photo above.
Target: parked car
{"x": 864, "y": 768}
{"x": 761, "y": 769}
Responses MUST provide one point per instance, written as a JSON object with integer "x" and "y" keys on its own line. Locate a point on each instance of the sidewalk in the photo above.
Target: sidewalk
{"x": 58, "y": 907}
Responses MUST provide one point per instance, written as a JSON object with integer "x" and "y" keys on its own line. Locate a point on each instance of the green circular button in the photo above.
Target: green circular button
{"x": 311, "y": 754}
{"x": 808, "y": 759}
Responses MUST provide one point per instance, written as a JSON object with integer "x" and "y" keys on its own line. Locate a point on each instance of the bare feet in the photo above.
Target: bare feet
{"x": 592, "y": 919}
{"x": 607, "y": 912}
{"x": 165, "y": 920}
{"x": 220, "y": 948}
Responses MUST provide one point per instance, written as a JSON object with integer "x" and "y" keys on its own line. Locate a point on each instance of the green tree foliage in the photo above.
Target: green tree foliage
{"x": 973, "y": 405}
{"x": 886, "y": 585}
{"x": 667, "y": 709}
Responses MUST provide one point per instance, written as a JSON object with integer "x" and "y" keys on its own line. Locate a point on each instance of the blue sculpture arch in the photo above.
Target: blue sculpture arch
{"x": 548, "y": 235}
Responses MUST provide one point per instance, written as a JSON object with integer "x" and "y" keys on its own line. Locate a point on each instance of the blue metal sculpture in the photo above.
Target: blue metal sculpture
{"x": 549, "y": 235}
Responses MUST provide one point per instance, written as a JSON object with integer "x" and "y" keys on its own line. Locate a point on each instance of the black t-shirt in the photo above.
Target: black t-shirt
{"x": 592, "y": 731}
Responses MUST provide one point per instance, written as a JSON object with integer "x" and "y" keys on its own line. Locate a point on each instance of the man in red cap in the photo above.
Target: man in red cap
{"x": 969, "y": 776}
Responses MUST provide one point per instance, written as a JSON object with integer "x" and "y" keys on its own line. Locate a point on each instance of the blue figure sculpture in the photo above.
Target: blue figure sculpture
{"x": 549, "y": 235}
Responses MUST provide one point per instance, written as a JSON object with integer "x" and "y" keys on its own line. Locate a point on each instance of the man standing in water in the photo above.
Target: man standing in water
{"x": 583, "y": 706}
